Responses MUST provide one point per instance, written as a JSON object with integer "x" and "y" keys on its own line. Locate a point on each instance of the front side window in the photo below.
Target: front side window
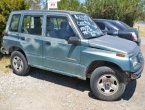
{"x": 58, "y": 27}
{"x": 32, "y": 25}
{"x": 87, "y": 26}
{"x": 14, "y": 25}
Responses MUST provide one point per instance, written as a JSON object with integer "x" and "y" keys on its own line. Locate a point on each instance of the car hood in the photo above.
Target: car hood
{"x": 111, "y": 43}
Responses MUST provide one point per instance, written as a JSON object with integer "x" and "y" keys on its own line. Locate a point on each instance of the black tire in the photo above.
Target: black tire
{"x": 1, "y": 55}
{"x": 25, "y": 68}
{"x": 95, "y": 81}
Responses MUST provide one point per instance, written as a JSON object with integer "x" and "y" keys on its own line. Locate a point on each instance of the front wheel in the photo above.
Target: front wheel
{"x": 106, "y": 84}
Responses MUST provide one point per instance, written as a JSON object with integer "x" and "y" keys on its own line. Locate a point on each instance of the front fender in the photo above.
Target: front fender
{"x": 90, "y": 55}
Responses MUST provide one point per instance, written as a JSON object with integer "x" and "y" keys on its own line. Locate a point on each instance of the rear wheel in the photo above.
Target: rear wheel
{"x": 1, "y": 55}
{"x": 106, "y": 84}
{"x": 19, "y": 64}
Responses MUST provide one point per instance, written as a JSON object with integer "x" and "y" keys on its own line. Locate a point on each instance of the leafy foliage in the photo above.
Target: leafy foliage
{"x": 127, "y": 11}
{"x": 124, "y": 10}
{"x": 6, "y": 7}
{"x": 73, "y": 5}
{"x": 35, "y": 4}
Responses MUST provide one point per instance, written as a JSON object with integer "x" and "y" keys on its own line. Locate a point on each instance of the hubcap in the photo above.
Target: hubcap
{"x": 108, "y": 84}
{"x": 17, "y": 63}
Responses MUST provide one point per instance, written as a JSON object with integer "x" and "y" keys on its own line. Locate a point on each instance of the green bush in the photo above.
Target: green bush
{"x": 127, "y": 11}
{"x": 73, "y": 5}
{"x": 6, "y": 7}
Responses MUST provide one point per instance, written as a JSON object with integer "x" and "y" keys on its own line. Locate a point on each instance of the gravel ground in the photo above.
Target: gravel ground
{"x": 43, "y": 90}
{"x": 143, "y": 41}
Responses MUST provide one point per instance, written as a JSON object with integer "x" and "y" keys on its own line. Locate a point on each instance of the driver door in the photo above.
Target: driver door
{"x": 60, "y": 56}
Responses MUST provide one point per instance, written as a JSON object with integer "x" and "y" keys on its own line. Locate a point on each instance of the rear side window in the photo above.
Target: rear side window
{"x": 32, "y": 25}
{"x": 14, "y": 25}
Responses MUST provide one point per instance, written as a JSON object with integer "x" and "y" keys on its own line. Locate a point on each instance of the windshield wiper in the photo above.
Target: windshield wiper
{"x": 96, "y": 36}
{"x": 92, "y": 37}
{"x": 101, "y": 35}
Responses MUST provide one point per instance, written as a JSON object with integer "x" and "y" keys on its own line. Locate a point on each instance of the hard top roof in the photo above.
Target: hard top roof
{"x": 110, "y": 20}
{"x": 46, "y": 11}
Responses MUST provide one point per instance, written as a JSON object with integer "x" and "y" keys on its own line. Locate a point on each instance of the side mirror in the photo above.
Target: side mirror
{"x": 74, "y": 40}
{"x": 105, "y": 32}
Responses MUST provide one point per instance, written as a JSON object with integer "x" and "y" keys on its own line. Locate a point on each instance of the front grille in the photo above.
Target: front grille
{"x": 140, "y": 58}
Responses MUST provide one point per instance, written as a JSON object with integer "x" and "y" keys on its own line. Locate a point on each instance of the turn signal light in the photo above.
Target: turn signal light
{"x": 120, "y": 55}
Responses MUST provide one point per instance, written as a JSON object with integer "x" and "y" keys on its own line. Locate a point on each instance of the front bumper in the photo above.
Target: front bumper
{"x": 137, "y": 74}
{"x": 138, "y": 42}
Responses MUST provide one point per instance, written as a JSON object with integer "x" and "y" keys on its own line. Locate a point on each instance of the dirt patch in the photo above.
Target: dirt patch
{"x": 5, "y": 64}
{"x": 141, "y": 29}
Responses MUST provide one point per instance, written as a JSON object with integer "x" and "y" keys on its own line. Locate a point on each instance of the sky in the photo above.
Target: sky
{"x": 44, "y": 1}
{"x": 82, "y": 1}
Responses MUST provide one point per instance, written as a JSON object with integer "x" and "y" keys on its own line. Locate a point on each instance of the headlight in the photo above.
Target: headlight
{"x": 134, "y": 61}
{"x": 134, "y": 36}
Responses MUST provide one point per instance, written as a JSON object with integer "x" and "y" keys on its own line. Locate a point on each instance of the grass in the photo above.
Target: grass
{"x": 141, "y": 29}
{"x": 5, "y": 65}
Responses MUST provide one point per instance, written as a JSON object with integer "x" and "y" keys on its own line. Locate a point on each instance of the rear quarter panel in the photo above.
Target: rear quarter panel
{"x": 12, "y": 38}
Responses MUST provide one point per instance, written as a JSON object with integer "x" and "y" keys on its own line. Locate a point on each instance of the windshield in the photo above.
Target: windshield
{"x": 125, "y": 24}
{"x": 120, "y": 25}
{"x": 87, "y": 26}
{"x": 111, "y": 26}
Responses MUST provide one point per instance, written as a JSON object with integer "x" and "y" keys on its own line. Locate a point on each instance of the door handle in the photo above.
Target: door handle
{"x": 17, "y": 34}
{"x": 22, "y": 38}
{"x": 48, "y": 43}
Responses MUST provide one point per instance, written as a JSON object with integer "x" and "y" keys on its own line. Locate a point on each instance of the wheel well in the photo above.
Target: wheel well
{"x": 16, "y": 49}
{"x": 97, "y": 64}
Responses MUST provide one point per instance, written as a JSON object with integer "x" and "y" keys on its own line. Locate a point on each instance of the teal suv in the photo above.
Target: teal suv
{"x": 70, "y": 43}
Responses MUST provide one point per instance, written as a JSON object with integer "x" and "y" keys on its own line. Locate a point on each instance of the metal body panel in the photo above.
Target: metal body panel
{"x": 69, "y": 59}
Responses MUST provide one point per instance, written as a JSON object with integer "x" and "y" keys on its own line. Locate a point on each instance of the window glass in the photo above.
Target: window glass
{"x": 101, "y": 25}
{"x": 87, "y": 26}
{"x": 58, "y": 27}
{"x": 120, "y": 25}
{"x": 32, "y": 25}
{"x": 14, "y": 25}
{"x": 111, "y": 27}
{"x": 127, "y": 26}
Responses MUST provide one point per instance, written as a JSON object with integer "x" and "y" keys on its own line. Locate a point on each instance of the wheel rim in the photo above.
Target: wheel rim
{"x": 17, "y": 63}
{"x": 108, "y": 84}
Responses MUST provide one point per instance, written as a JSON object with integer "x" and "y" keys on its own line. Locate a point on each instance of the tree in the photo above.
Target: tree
{"x": 6, "y": 7}
{"x": 36, "y": 4}
{"x": 125, "y": 10}
{"x": 73, "y": 5}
